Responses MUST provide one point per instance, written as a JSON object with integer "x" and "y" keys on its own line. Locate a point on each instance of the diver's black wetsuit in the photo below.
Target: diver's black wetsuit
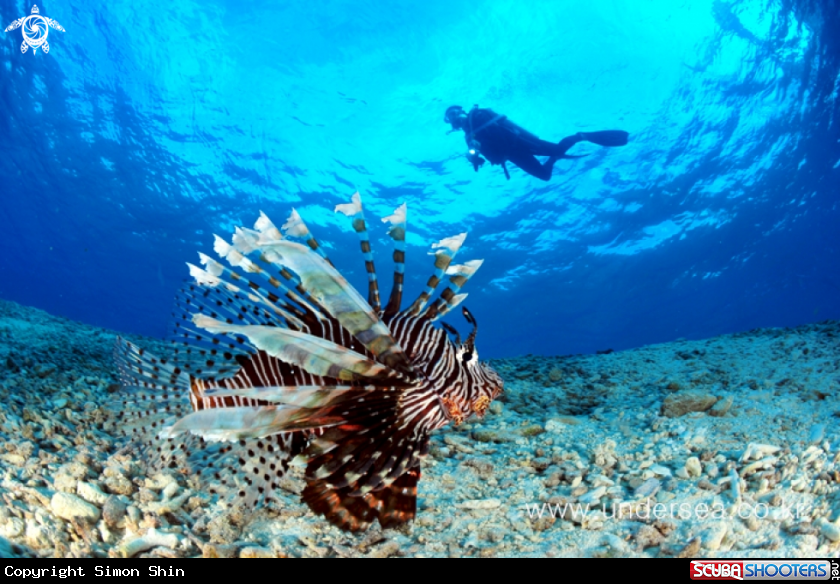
{"x": 499, "y": 140}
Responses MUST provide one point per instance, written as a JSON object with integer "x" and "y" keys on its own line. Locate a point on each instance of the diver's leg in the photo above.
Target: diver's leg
{"x": 566, "y": 143}
{"x": 558, "y": 150}
{"x": 532, "y": 166}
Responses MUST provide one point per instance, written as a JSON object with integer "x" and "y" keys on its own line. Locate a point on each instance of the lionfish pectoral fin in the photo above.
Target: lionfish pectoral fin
{"x": 349, "y": 513}
{"x": 268, "y": 232}
{"x": 244, "y": 243}
{"x": 247, "y": 471}
{"x": 354, "y": 465}
{"x": 244, "y": 422}
{"x": 399, "y": 500}
{"x": 394, "y": 504}
{"x": 226, "y": 302}
{"x": 302, "y": 396}
{"x": 243, "y": 302}
{"x": 314, "y": 355}
{"x": 332, "y": 291}
{"x": 296, "y": 227}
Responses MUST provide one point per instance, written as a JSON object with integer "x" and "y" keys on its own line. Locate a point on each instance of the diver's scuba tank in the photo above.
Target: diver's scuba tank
{"x": 473, "y": 145}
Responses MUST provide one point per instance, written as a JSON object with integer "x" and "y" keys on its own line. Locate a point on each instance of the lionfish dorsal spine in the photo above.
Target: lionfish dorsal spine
{"x": 248, "y": 241}
{"x": 356, "y": 212}
{"x": 211, "y": 277}
{"x": 446, "y": 248}
{"x": 268, "y": 233}
{"x": 397, "y": 232}
{"x": 458, "y": 277}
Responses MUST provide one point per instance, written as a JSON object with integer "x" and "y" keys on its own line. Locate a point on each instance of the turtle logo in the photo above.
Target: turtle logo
{"x": 35, "y": 31}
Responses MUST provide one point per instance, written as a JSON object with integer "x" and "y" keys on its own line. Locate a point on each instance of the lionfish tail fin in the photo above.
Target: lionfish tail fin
{"x": 355, "y": 211}
{"x": 397, "y": 232}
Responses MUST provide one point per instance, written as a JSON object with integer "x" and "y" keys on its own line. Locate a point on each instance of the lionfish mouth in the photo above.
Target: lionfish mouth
{"x": 276, "y": 357}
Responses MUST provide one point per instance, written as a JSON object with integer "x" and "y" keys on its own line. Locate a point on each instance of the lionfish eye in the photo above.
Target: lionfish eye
{"x": 467, "y": 357}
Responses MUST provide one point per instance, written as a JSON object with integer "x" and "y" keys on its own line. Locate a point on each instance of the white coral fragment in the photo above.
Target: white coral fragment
{"x": 151, "y": 539}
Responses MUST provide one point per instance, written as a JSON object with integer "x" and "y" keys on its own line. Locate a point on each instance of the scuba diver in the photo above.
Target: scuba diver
{"x": 499, "y": 140}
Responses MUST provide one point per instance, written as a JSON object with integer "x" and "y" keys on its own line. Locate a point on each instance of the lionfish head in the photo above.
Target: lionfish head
{"x": 489, "y": 388}
{"x": 486, "y": 384}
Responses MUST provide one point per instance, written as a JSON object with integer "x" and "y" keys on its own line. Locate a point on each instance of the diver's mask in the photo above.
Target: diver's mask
{"x": 452, "y": 114}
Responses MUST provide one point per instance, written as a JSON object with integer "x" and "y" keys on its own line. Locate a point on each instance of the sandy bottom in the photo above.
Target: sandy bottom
{"x": 728, "y": 447}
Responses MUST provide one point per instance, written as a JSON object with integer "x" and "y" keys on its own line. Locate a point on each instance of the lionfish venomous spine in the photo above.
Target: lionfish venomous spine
{"x": 276, "y": 356}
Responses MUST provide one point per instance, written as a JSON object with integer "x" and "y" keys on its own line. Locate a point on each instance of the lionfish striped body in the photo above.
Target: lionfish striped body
{"x": 280, "y": 357}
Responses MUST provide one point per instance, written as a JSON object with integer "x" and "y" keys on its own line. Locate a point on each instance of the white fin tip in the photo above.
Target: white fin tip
{"x": 351, "y": 208}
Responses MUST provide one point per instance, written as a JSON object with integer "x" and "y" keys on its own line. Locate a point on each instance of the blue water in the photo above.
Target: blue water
{"x": 151, "y": 125}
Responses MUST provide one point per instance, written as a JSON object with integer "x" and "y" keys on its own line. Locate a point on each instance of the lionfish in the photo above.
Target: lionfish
{"x": 282, "y": 360}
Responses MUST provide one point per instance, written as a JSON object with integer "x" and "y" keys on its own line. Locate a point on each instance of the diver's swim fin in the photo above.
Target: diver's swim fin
{"x": 607, "y": 137}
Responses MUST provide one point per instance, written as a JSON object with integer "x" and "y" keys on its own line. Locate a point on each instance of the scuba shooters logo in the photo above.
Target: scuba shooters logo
{"x": 35, "y": 29}
{"x": 765, "y": 570}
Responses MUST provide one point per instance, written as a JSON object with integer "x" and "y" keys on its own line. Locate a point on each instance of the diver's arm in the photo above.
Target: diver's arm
{"x": 476, "y": 160}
